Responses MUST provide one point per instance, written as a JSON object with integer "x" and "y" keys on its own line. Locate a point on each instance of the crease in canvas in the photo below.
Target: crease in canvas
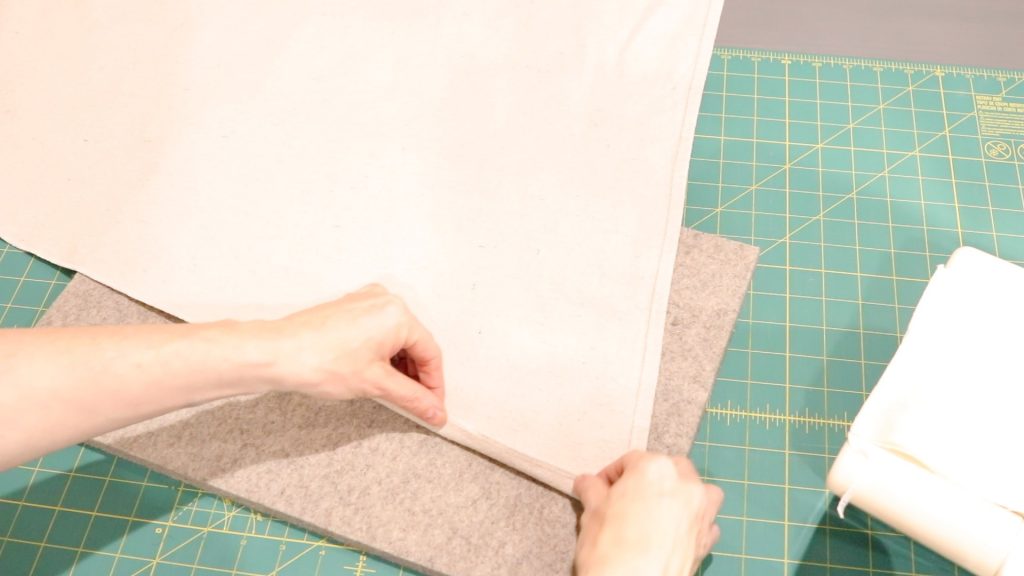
{"x": 644, "y": 401}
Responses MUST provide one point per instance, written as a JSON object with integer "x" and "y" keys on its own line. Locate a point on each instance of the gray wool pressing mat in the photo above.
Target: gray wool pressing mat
{"x": 361, "y": 474}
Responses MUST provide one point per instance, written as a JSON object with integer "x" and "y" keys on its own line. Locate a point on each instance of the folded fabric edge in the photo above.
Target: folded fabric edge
{"x": 643, "y": 406}
{"x": 553, "y": 476}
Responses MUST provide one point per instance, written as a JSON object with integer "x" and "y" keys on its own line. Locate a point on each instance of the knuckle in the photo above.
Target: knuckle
{"x": 635, "y": 458}
{"x": 391, "y": 300}
{"x": 657, "y": 466}
{"x": 393, "y": 308}
{"x": 396, "y": 302}
{"x": 415, "y": 406}
{"x": 715, "y": 496}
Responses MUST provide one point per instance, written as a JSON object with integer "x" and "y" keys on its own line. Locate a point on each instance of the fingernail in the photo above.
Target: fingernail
{"x": 436, "y": 416}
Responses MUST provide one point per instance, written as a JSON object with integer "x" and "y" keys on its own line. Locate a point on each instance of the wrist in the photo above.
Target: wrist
{"x": 247, "y": 356}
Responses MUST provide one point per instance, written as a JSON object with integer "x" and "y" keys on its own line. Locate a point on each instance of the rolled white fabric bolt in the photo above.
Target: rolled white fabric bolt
{"x": 933, "y": 452}
{"x": 967, "y": 529}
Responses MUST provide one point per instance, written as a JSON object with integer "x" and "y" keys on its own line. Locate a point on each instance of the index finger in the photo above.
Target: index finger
{"x": 425, "y": 353}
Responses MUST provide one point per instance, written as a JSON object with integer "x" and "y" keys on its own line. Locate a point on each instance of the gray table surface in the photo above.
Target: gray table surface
{"x": 982, "y": 33}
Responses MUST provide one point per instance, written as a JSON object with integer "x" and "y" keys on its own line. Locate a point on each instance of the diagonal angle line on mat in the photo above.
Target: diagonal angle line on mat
{"x": 297, "y": 556}
{"x": 852, "y": 193}
{"x": 225, "y": 519}
{"x": 60, "y": 503}
{"x": 162, "y": 555}
{"x": 817, "y": 147}
{"x": 944, "y": 134}
{"x": 14, "y": 295}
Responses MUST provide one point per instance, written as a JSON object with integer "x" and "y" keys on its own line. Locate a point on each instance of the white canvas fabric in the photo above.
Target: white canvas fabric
{"x": 515, "y": 171}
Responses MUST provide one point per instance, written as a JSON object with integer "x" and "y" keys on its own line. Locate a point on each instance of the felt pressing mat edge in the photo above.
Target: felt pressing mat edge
{"x": 361, "y": 474}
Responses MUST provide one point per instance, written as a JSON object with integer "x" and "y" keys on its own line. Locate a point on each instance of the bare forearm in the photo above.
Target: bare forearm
{"x": 59, "y": 386}
{"x": 64, "y": 385}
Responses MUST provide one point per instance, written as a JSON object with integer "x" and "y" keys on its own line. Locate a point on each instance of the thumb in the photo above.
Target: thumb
{"x": 591, "y": 489}
{"x": 410, "y": 396}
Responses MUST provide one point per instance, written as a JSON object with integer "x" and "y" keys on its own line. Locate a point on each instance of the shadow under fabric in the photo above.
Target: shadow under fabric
{"x": 362, "y": 474}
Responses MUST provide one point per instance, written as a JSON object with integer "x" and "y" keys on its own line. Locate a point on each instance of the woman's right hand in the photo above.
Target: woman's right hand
{"x": 645, "y": 514}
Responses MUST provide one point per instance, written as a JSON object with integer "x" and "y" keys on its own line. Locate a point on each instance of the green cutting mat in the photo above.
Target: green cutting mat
{"x": 855, "y": 177}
